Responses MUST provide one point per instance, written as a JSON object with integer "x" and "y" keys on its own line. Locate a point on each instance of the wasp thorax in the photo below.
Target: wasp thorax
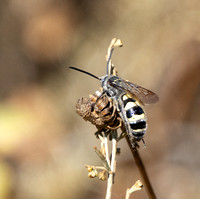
{"x": 100, "y": 111}
{"x": 112, "y": 86}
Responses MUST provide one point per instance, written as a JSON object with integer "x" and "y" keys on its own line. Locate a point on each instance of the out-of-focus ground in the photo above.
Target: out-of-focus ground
{"x": 44, "y": 143}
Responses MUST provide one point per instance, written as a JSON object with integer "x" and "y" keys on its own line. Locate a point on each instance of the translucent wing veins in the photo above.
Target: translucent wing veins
{"x": 145, "y": 95}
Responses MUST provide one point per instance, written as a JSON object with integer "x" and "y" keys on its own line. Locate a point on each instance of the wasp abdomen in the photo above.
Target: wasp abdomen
{"x": 135, "y": 116}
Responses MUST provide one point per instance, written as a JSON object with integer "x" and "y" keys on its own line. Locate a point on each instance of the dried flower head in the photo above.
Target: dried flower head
{"x": 100, "y": 111}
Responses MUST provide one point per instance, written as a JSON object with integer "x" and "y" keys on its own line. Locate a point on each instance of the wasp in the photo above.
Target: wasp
{"x": 129, "y": 99}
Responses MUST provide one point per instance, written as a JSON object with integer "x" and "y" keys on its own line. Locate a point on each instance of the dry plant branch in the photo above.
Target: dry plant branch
{"x": 112, "y": 165}
{"x": 114, "y": 43}
{"x": 142, "y": 170}
{"x": 102, "y": 156}
{"x": 108, "y": 166}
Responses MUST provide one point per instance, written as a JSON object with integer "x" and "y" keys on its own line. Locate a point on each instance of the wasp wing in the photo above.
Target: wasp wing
{"x": 144, "y": 95}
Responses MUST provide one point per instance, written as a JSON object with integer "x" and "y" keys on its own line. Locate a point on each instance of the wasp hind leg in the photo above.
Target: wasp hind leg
{"x": 144, "y": 144}
{"x": 121, "y": 136}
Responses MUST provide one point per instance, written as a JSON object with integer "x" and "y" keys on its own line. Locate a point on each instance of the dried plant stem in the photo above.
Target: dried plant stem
{"x": 112, "y": 166}
{"x": 96, "y": 167}
{"x": 114, "y": 43}
{"x": 142, "y": 170}
{"x": 106, "y": 149}
{"x": 109, "y": 186}
{"x": 114, "y": 151}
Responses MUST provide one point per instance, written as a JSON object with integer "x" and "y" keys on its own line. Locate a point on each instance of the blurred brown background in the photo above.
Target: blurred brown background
{"x": 44, "y": 143}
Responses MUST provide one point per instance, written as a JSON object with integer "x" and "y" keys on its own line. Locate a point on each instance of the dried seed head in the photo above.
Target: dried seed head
{"x": 103, "y": 175}
{"x": 100, "y": 111}
{"x": 83, "y": 108}
{"x": 90, "y": 168}
{"x": 93, "y": 173}
{"x": 118, "y": 43}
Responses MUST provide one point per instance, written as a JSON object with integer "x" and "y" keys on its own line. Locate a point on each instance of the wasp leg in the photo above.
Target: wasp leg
{"x": 144, "y": 144}
{"x": 121, "y": 136}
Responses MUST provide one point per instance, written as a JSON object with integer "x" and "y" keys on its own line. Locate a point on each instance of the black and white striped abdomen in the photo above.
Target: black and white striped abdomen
{"x": 136, "y": 117}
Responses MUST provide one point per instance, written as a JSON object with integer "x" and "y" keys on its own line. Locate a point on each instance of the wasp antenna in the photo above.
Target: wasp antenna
{"x": 71, "y": 67}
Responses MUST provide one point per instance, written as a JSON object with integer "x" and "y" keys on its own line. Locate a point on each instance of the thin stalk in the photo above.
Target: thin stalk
{"x": 147, "y": 184}
{"x": 114, "y": 43}
{"x": 112, "y": 166}
{"x": 106, "y": 148}
{"x": 114, "y": 151}
{"x": 109, "y": 186}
